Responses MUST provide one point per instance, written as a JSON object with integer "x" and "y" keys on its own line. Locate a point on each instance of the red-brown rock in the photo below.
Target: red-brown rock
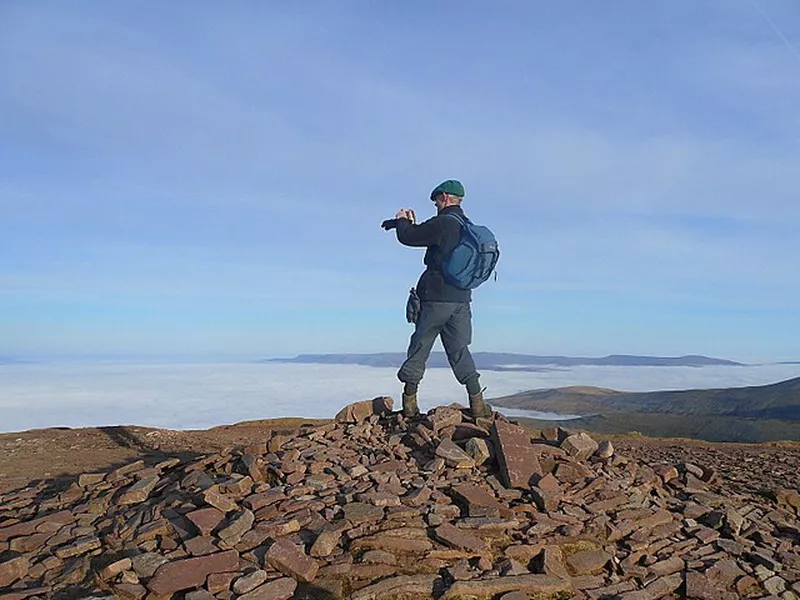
{"x": 453, "y": 455}
{"x": 551, "y": 562}
{"x": 361, "y": 411}
{"x": 12, "y": 570}
{"x": 290, "y": 560}
{"x": 189, "y": 573}
{"x": 326, "y": 543}
{"x": 459, "y": 539}
{"x": 277, "y": 589}
{"x": 28, "y": 527}
{"x": 516, "y": 457}
{"x": 139, "y": 491}
{"x": 580, "y": 446}
{"x": 537, "y": 586}
{"x": 206, "y": 519}
{"x": 394, "y": 543}
{"x": 443, "y": 416}
{"x": 478, "y": 501}
{"x": 402, "y": 586}
{"x": 588, "y": 561}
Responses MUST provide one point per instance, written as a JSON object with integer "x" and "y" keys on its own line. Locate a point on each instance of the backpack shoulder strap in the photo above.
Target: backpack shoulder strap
{"x": 462, "y": 220}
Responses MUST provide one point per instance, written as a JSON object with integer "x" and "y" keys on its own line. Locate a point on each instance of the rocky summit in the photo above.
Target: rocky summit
{"x": 373, "y": 506}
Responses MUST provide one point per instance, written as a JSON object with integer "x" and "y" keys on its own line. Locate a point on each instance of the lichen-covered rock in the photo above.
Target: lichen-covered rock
{"x": 478, "y": 449}
{"x": 605, "y": 449}
{"x": 580, "y": 446}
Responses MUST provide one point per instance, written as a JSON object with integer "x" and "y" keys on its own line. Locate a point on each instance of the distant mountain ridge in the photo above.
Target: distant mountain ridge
{"x": 507, "y": 361}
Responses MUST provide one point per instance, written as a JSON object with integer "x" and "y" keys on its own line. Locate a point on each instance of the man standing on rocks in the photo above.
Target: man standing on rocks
{"x": 444, "y": 310}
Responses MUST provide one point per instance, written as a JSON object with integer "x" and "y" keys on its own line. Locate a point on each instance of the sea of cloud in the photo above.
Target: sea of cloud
{"x": 202, "y": 395}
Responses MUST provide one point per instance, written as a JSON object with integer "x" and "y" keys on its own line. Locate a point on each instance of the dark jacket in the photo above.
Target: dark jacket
{"x": 440, "y": 235}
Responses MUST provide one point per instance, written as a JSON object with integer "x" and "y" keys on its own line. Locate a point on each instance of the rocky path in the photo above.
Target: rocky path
{"x": 372, "y": 506}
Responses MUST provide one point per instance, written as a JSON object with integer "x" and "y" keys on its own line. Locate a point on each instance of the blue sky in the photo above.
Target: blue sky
{"x": 209, "y": 178}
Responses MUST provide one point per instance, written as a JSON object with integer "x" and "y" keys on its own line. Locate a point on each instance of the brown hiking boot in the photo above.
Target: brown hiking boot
{"x": 410, "y": 406}
{"x": 478, "y": 407}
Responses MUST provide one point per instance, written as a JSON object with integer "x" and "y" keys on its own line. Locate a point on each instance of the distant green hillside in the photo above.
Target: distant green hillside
{"x": 751, "y": 414}
{"x": 774, "y": 401}
{"x": 709, "y": 428}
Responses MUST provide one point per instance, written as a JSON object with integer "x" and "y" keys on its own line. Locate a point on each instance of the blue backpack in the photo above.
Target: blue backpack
{"x": 472, "y": 261}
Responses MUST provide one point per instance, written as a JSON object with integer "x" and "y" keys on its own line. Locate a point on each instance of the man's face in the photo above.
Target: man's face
{"x": 438, "y": 201}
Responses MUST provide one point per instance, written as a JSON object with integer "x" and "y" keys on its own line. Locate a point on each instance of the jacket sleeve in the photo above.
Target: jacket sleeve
{"x": 428, "y": 233}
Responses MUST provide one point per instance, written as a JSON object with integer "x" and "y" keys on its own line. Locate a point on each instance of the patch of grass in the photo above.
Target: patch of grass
{"x": 571, "y": 548}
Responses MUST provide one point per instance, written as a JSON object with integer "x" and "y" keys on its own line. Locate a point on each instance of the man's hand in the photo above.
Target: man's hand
{"x": 406, "y": 213}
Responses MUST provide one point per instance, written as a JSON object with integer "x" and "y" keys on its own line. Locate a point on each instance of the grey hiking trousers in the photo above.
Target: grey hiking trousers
{"x": 453, "y": 322}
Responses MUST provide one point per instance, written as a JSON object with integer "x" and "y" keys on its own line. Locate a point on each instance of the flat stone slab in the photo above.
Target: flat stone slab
{"x": 78, "y": 547}
{"x": 399, "y": 587}
{"x": 326, "y": 543}
{"x": 542, "y": 587}
{"x": 443, "y": 416}
{"x": 238, "y": 526}
{"x": 453, "y": 455}
{"x": 379, "y": 499}
{"x": 12, "y": 570}
{"x": 588, "y": 561}
{"x": 670, "y": 565}
{"x": 206, "y": 519}
{"x": 417, "y": 497}
{"x": 290, "y": 560}
{"x": 361, "y": 512}
{"x": 459, "y": 539}
{"x": 139, "y": 491}
{"x": 517, "y": 458}
{"x": 190, "y": 573}
{"x": 479, "y": 501}
{"x": 465, "y": 431}
{"x": 260, "y": 500}
{"x": 145, "y": 565}
{"x": 249, "y": 582}
{"x": 278, "y": 589}
{"x": 393, "y": 543}
{"x": 59, "y": 518}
